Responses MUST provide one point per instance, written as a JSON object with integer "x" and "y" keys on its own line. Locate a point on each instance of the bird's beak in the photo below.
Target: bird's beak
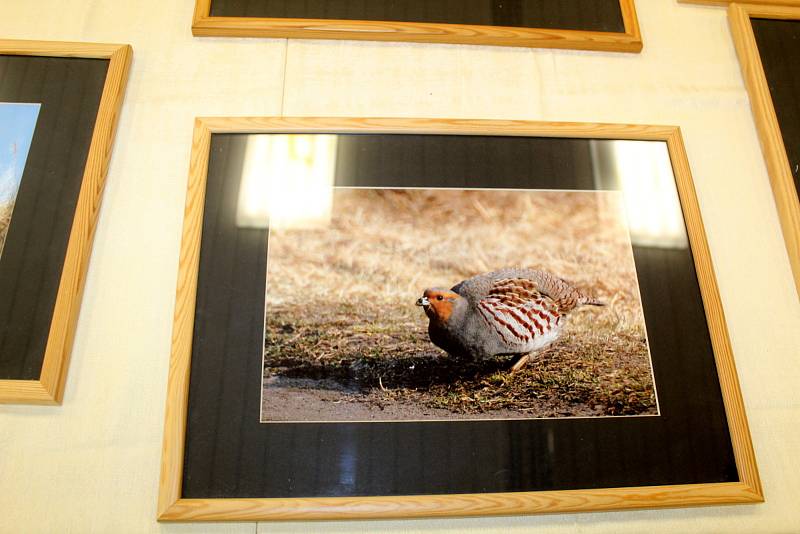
{"x": 423, "y": 301}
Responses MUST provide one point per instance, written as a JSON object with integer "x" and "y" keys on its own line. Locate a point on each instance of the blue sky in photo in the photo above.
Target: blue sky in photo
{"x": 17, "y": 123}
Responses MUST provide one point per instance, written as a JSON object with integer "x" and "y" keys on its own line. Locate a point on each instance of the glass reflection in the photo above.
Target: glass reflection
{"x": 643, "y": 172}
{"x": 287, "y": 182}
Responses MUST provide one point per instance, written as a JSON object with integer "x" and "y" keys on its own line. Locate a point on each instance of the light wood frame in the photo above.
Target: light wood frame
{"x": 778, "y": 166}
{"x": 49, "y": 388}
{"x": 203, "y": 24}
{"x": 172, "y": 507}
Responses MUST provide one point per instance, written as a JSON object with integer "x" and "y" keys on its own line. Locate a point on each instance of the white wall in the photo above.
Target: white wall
{"x": 92, "y": 464}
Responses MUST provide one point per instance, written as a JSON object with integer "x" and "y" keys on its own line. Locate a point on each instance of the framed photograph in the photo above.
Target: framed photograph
{"x": 419, "y": 317}
{"x": 59, "y": 104}
{"x": 609, "y": 25}
{"x": 766, "y": 41}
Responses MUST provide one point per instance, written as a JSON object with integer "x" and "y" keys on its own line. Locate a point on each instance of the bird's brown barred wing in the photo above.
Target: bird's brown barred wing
{"x": 560, "y": 291}
{"x": 518, "y": 310}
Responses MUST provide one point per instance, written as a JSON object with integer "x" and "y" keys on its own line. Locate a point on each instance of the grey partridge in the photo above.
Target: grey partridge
{"x": 510, "y": 311}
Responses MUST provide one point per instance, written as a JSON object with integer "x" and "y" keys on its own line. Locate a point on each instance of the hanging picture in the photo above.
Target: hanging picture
{"x": 59, "y": 104}
{"x": 416, "y": 317}
{"x": 609, "y": 25}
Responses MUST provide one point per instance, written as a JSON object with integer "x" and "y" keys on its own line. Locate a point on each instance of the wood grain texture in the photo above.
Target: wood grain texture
{"x": 49, "y": 389}
{"x": 464, "y": 505}
{"x": 583, "y": 130}
{"x": 183, "y": 327}
{"x": 772, "y": 145}
{"x": 25, "y": 392}
{"x": 172, "y": 507}
{"x": 57, "y": 49}
{"x": 202, "y": 11}
{"x": 631, "y": 41}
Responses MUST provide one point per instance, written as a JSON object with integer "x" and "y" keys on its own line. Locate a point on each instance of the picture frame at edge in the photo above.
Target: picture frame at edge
{"x": 786, "y": 196}
{"x": 49, "y": 388}
{"x": 205, "y": 25}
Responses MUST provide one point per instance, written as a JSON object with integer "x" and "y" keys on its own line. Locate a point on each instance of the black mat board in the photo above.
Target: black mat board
{"x": 589, "y": 15}
{"x": 229, "y": 453}
{"x": 779, "y": 47}
{"x": 69, "y": 91}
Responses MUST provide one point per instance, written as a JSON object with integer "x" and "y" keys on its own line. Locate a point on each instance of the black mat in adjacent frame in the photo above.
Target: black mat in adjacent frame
{"x": 69, "y": 91}
{"x": 587, "y": 15}
{"x": 229, "y": 453}
{"x": 779, "y": 47}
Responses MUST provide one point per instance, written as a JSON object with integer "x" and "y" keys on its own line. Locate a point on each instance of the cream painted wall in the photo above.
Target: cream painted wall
{"x": 92, "y": 464}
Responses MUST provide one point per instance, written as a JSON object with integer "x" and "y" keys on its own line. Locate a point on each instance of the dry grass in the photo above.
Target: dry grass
{"x": 341, "y": 300}
{"x": 5, "y": 221}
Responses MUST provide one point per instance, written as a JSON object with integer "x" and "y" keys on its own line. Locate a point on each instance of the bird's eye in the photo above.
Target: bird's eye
{"x": 439, "y": 297}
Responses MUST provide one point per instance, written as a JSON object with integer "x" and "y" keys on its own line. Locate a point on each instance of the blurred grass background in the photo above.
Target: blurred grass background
{"x": 5, "y": 221}
{"x": 340, "y": 300}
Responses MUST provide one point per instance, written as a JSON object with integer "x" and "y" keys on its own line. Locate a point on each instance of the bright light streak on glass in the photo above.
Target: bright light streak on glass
{"x": 287, "y": 181}
{"x": 643, "y": 172}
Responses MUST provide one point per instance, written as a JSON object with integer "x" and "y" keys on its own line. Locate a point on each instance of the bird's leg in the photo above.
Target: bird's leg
{"x": 521, "y": 363}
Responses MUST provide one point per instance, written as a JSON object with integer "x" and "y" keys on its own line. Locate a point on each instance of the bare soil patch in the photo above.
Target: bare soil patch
{"x": 368, "y": 370}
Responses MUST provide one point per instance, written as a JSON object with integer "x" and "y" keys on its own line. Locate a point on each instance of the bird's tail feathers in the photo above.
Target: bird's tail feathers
{"x": 589, "y": 301}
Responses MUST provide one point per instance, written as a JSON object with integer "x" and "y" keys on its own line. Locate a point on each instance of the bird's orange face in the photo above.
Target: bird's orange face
{"x": 438, "y": 303}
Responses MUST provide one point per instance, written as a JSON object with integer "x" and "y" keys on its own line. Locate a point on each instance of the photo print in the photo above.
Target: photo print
{"x": 442, "y": 304}
{"x": 17, "y": 123}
